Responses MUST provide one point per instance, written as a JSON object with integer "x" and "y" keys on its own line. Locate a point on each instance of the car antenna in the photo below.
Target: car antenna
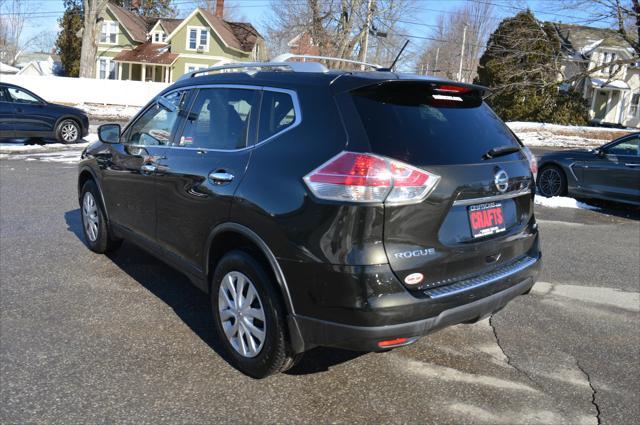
{"x": 390, "y": 69}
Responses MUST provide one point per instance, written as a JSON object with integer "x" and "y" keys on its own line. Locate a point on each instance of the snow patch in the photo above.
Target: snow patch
{"x": 562, "y": 202}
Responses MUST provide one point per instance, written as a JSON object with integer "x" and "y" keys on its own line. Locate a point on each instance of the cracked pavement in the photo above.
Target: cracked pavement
{"x": 86, "y": 338}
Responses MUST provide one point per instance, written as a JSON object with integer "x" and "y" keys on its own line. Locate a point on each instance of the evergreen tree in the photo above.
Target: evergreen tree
{"x": 521, "y": 65}
{"x": 69, "y": 44}
{"x": 151, "y": 8}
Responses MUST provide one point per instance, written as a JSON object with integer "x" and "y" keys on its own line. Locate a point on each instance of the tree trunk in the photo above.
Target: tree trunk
{"x": 91, "y": 29}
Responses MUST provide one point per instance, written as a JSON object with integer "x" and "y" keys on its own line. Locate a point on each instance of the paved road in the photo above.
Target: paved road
{"x": 87, "y": 338}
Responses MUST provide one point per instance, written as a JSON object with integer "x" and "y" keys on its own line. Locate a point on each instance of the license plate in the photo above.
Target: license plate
{"x": 486, "y": 219}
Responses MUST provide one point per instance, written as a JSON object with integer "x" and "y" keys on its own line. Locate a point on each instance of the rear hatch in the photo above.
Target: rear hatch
{"x": 479, "y": 216}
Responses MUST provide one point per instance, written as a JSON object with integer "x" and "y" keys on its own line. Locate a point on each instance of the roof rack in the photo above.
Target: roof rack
{"x": 280, "y": 63}
{"x": 245, "y": 66}
{"x": 287, "y": 56}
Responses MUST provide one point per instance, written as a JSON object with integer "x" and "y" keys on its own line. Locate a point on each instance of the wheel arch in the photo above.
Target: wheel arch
{"x": 228, "y": 236}
{"x": 86, "y": 174}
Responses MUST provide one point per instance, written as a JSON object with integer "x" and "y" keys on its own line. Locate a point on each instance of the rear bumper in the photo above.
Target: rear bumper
{"x": 469, "y": 305}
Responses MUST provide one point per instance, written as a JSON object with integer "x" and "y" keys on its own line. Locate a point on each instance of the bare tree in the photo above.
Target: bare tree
{"x": 337, "y": 28}
{"x": 442, "y": 54}
{"x": 12, "y": 17}
{"x": 92, "y": 11}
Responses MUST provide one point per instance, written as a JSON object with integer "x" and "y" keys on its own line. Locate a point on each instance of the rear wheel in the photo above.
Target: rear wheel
{"x": 94, "y": 224}
{"x": 249, "y": 316}
{"x": 68, "y": 131}
{"x": 552, "y": 181}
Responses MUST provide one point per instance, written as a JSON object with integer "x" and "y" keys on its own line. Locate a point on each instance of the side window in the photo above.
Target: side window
{"x": 20, "y": 96}
{"x": 628, "y": 147}
{"x": 155, "y": 126}
{"x": 4, "y": 97}
{"x": 219, "y": 119}
{"x": 276, "y": 114}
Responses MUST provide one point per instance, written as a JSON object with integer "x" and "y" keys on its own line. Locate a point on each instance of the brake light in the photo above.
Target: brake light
{"x": 448, "y": 88}
{"x": 361, "y": 177}
{"x": 533, "y": 163}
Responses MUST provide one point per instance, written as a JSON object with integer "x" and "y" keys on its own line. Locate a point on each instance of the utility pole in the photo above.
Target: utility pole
{"x": 435, "y": 66}
{"x": 464, "y": 40}
{"x": 367, "y": 28}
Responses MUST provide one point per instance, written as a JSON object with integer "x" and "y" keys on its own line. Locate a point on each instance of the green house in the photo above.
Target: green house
{"x": 131, "y": 47}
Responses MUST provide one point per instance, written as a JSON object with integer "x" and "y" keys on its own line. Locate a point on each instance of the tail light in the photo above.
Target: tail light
{"x": 533, "y": 163}
{"x": 361, "y": 177}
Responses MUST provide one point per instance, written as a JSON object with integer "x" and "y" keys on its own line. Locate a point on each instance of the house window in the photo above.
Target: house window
{"x": 198, "y": 38}
{"x": 635, "y": 101}
{"x": 159, "y": 37}
{"x": 109, "y": 32}
{"x": 106, "y": 69}
{"x": 607, "y": 58}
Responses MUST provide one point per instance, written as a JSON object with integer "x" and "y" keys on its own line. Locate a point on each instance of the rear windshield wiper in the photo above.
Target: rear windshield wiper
{"x": 500, "y": 151}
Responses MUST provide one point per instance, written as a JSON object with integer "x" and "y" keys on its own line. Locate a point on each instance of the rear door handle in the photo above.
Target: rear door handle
{"x": 149, "y": 168}
{"x": 221, "y": 177}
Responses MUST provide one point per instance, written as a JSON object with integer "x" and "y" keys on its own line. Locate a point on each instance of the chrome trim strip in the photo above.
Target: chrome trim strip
{"x": 486, "y": 199}
{"x": 483, "y": 280}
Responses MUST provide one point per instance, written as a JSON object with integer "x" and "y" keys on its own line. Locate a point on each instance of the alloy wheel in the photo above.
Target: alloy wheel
{"x": 69, "y": 132}
{"x": 241, "y": 314}
{"x": 90, "y": 217}
{"x": 550, "y": 182}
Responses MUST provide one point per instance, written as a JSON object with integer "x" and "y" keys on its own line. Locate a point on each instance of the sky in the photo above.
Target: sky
{"x": 42, "y": 15}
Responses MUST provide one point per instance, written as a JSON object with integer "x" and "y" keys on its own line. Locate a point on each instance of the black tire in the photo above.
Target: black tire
{"x": 68, "y": 131}
{"x": 552, "y": 181}
{"x": 103, "y": 241}
{"x": 275, "y": 354}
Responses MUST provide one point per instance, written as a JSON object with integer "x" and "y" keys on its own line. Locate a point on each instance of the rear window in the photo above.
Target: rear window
{"x": 412, "y": 123}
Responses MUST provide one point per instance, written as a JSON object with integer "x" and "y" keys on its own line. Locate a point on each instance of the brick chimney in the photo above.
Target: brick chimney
{"x": 219, "y": 8}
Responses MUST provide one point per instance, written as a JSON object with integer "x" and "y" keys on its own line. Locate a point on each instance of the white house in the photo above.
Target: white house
{"x": 613, "y": 93}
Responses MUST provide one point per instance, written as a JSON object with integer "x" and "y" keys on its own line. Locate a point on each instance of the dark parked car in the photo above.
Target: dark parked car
{"x": 24, "y": 115}
{"x": 611, "y": 172}
{"x": 359, "y": 210}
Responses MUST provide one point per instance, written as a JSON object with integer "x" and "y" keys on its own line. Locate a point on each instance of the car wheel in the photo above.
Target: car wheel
{"x": 94, "y": 224}
{"x": 68, "y": 132}
{"x": 552, "y": 181}
{"x": 249, "y": 316}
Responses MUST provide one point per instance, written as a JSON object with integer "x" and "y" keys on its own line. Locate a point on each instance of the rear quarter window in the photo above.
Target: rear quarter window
{"x": 412, "y": 123}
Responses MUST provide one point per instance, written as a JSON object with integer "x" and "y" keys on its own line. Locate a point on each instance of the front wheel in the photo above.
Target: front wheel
{"x": 68, "y": 132}
{"x": 552, "y": 181}
{"x": 249, "y": 316}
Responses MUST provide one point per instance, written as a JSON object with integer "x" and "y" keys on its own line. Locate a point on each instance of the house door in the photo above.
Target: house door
{"x": 612, "y": 113}
{"x": 600, "y": 105}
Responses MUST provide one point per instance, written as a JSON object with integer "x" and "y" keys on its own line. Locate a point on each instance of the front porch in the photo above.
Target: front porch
{"x": 608, "y": 101}
{"x": 147, "y": 62}
{"x": 144, "y": 72}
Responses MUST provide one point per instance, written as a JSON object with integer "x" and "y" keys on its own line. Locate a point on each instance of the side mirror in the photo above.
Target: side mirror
{"x": 598, "y": 152}
{"x": 109, "y": 133}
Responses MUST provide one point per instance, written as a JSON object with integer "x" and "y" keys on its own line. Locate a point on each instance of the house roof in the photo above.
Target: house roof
{"x": 240, "y": 36}
{"x": 246, "y": 34}
{"x": 237, "y": 35}
{"x": 148, "y": 53}
{"x": 8, "y": 69}
{"x": 583, "y": 40}
{"x": 133, "y": 24}
{"x": 170, "y": 24}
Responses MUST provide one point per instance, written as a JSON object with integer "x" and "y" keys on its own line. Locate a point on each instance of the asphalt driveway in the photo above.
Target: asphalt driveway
{"x": 86, "y": 338}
